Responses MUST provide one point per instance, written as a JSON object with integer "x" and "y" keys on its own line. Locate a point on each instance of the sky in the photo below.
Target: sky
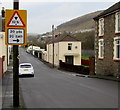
{"x": 42, "y": 14}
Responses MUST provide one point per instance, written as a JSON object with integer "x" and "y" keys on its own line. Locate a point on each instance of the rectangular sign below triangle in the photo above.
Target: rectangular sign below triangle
{"x": 15, "y": 36}
{"x": 16, "y": 27}
{"x": 16, "y": 21}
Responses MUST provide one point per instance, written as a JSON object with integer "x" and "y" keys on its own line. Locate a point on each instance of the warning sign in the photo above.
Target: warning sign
{"x": 15, "y": 36}
{"x": 16, "y": 21}
{"x": 16, "y": 27}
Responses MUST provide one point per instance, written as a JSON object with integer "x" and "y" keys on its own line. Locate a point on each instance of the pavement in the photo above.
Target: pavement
{"x": 0, "y": 94}
{"x": 7, "y": 91}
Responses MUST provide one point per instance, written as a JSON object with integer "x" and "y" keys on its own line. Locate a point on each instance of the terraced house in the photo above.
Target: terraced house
{"x": 5, "y": 50}
{"x": 107, "y": 41}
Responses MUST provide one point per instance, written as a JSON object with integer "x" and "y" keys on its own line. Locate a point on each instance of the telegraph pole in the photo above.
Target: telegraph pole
{"x": 15, "y": 66}
{"x": 53, "y": 42}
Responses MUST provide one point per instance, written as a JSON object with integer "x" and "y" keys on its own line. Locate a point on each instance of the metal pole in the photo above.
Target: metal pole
{"x": 53, "y": 43}
{"x": 15, "y": 67}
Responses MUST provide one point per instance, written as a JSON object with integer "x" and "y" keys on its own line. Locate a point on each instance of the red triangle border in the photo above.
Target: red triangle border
{"x": 12, "y": 18}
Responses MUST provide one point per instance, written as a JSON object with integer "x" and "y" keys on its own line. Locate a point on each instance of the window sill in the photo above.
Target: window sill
{"x": 116, "y": 59}
{"x": 117, "y": 32}
{"x": 100, "y": 36}
{"x": 100, "y": 58}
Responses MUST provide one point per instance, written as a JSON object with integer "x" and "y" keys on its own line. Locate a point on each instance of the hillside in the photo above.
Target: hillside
{"x": 79, "y": 24}
{"x": 81, "y": 28}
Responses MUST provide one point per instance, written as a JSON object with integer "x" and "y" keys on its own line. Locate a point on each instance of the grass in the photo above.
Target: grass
{"x": 85, "y": 57}
{"x": 86, "y": 66}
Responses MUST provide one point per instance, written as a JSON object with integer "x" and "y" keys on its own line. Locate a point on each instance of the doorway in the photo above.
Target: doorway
{"x": 69, "y": 59}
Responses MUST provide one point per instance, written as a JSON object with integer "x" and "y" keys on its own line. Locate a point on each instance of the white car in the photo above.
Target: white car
{"x": 26, "y": 69}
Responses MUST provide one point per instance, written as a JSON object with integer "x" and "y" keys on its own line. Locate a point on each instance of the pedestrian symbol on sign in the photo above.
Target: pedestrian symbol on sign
{"x": 16, "y": 21}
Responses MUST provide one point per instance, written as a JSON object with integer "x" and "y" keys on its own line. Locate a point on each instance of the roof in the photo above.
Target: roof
{"x": 109, "y": 11}
{"x": 60, "y": 38}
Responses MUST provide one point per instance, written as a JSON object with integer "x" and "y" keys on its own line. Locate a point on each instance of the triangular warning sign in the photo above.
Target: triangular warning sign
{"x": 16, "y": 21}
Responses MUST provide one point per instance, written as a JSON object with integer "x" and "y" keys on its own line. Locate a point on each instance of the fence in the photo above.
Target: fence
{"x": 1, "y": 66}
{"x": 74, "y": 68}
{"x": 80, "y": 69}
{"x": 85, "y": 62}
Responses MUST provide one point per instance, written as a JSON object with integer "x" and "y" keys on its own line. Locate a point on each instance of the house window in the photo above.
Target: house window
{"x": 101, "y": 27}
{"x": 117, "y": 48}
{"x": 117, "y": 22}
{"x": 69, "y": 46}
{"x": 101, "y": 49}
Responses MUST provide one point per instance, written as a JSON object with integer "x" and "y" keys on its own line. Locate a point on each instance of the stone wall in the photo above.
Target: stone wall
{"x": 106, "y": 66}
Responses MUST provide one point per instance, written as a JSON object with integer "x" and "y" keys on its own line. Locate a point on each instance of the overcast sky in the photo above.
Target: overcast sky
{"x": 42, "y": 15}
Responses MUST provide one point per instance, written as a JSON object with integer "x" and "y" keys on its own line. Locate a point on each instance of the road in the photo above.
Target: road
{"x": 52, "y": 88}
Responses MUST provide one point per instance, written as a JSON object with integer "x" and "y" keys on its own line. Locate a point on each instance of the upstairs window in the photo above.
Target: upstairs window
{"x": 117, "y": 23}
{"x": 69, "y": 46}
{"x": 117, "y": 48}
{"x": 101, "y": 27}
{"x": 101, "y": 49}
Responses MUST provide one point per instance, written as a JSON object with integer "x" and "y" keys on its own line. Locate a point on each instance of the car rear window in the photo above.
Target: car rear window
{"x": 25, "y": 66}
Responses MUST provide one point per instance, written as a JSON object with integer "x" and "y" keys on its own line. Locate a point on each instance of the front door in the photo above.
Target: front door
{"x": 69, "y": 59}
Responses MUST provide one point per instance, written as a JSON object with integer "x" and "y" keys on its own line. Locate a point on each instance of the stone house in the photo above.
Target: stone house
{"x": 107, "y": 41}
{"x": 66, "y": 49}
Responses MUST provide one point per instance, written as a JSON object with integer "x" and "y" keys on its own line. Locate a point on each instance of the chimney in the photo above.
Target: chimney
{"x": 3, "y": 12}
{"x": 56, "y": 36}
{"x": 3, "y": 19}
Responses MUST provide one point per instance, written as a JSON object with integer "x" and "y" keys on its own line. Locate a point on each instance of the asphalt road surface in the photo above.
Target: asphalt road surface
{"x": 52, "y": 88}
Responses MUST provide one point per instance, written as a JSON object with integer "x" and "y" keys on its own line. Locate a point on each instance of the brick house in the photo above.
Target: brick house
{"x": 107, "y": 41}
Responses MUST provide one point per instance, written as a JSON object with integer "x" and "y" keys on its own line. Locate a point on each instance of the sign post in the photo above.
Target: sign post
{"x": 15, "y": 32}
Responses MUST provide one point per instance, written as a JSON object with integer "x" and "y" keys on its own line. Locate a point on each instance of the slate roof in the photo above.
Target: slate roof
{"x": 109, "y": 11}
{"x": 60, "y": 38}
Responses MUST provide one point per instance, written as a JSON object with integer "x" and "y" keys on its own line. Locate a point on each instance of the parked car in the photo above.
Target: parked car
{"x": 26, "y": 69}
